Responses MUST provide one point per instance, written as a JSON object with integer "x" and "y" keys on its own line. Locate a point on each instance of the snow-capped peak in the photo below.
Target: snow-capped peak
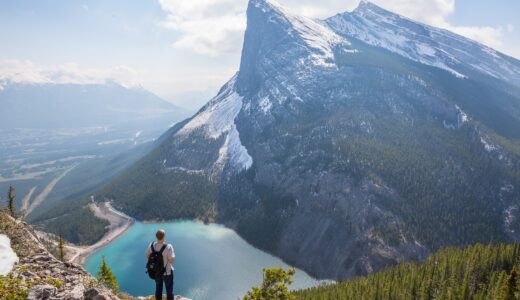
{"x": 365, "y": 5}
{"x": 315, "y": 34}
{"x": 423, "y": 43}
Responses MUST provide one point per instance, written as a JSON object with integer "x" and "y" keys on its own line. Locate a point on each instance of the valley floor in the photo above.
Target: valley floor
{"x": 119, "y": 224}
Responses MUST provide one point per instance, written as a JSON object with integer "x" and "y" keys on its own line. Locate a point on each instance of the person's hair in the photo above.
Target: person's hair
{"x": 160, "y": 234}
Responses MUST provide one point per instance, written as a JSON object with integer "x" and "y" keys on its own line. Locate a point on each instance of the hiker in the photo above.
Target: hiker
{"x": 160, "y": 256}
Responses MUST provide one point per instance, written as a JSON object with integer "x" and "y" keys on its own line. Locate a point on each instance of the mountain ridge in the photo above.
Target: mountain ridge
{"x": 424, "y": 43}
{"x": 85, "y": 104}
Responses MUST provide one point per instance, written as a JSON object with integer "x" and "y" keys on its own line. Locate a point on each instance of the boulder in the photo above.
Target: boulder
{"x": 42, "y": 292}
{"x": 98, "y": 294}
{"x": 77, "y": 293}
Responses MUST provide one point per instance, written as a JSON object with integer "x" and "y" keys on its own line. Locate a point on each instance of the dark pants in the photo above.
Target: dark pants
{"x": 168, "y": 282}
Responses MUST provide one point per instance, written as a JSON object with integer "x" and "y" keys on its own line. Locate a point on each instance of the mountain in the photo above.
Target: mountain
{"x": 341, "y": 150}
{"x": 44, "y": 106}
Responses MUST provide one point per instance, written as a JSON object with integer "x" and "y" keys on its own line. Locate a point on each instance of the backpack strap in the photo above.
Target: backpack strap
{"x": 162, "y": 249}
{"x": 152, "y": 247}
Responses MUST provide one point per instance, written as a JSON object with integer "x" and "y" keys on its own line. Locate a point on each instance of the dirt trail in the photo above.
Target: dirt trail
{"x": 119, "y": 224}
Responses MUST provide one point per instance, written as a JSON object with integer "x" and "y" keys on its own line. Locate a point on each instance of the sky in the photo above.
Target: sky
{"x": 184, "y": 50}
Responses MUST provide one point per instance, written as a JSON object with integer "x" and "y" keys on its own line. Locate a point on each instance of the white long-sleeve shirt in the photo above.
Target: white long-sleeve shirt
{"x": 168, "y": 255}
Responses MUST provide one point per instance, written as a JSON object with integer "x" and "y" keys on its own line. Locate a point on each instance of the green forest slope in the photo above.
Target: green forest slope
{"x": 477, "y": 272}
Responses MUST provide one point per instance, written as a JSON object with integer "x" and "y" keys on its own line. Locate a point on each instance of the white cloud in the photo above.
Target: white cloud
{"x": 490, "y": 36}
{"x": 206, "y": 26}
{"x": 25, "y": 71}
{"x": 436, "y": 12}
{"x": 216, "y": 27}
{"x": 433, "y": 12}
{"x": 322, "y": 9}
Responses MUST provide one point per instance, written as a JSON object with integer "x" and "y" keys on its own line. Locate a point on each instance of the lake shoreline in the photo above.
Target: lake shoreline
{"x": 119, "y": 224}
{"x": 106, "y": 211}
{"x": 214, "y": 262}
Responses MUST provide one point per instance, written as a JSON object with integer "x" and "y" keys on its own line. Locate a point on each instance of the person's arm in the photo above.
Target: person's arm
{"x": 171, "y": 259}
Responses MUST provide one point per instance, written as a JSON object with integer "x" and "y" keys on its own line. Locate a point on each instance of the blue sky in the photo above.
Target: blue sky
{"x": 184, "y": 50}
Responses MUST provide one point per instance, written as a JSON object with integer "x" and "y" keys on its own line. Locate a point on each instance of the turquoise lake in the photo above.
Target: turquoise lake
{"x": 212, "y": 262}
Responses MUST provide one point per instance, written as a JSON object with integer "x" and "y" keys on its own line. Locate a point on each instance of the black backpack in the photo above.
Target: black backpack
{"x": 155, "y": 265}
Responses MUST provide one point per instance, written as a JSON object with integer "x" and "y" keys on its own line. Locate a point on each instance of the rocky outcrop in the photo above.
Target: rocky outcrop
{"x": 40, "y": 276}
{"x": 49, "y": 278}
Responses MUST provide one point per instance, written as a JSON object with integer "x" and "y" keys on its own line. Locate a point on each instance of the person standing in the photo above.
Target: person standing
{"x": 168, "y": 257}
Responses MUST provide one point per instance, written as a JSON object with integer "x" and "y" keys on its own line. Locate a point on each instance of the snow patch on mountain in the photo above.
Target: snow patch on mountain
{"x": 426, "y": 50}
{"x": 219, "y": 115}
{"x": 509, "y": 217}
{"x": 234, "y": 153}
{"x": 373, "y": 34}
{"x": 218, "y": 118}
{"x": 422, "y": 43}
{"x": 7, "y": 256}
{"x": 316, "y": 34}
{"x": 463, "y": 117}
{"x": 265, "y": 104}
{"x": 488, "y": 145}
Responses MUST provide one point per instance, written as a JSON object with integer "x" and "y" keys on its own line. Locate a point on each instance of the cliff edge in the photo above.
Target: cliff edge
{"x": 39, "y": 275}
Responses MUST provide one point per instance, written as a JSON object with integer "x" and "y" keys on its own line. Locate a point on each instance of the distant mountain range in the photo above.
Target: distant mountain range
{"x": 64, "y": 140}
{"x": 345, "y": 145}
{"x": 26, "y": 105}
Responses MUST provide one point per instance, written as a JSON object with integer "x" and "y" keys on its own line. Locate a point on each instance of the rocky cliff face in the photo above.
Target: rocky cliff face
{"x": 342, "y": 153}
{"x": 40, "y": 276}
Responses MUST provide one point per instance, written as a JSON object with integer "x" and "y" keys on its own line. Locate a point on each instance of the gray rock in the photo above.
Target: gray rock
{"x": 77, "y": 293}
{"x": 37, "y": 267}
{"x": 97, "y": 294}
{"x": 42, "y": 292}
{"x": 28, "y": 274}
{"x": 41, "y": 258}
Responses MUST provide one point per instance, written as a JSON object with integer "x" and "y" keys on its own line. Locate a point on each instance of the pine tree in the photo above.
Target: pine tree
{"x": 425, "y": 290}
{"x": 10, "y": 197}
{"x": 465, "y": 292}
{"x": 478, "y": 272}
{"x": 61, "y": 245}
{"x": 105, "y": 275}
{"x": 508, "y": 289}
{"x": 274, "y": 286}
